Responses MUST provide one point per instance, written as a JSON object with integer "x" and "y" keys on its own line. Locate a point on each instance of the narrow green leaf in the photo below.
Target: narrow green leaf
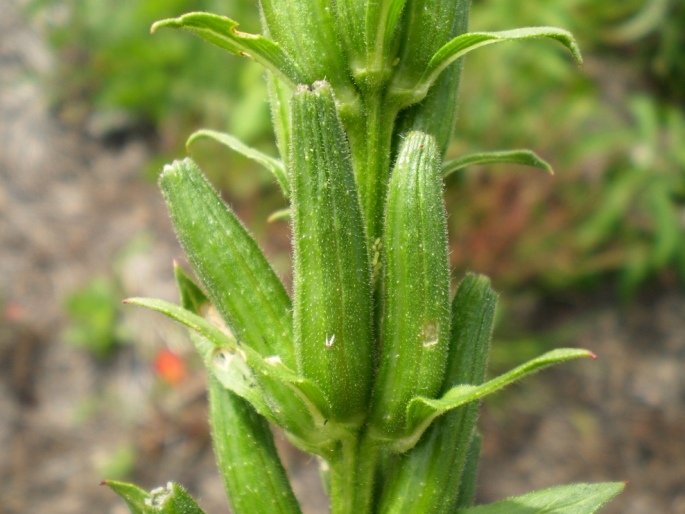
{"x": 281, "y": 214}
{"x": 408, "y": 93}
{"x": 275, "y": 391}
{"x": 332, "y": 292}
{"x": 524, "y": 157}
{"x": 136, "y": 498}
{"x": 652, "y": 15}
{"x": 565, "y": 499}
{"x": 422, "y": 411}
{"x": 416, "y": 310}
{"x": 273, "y": 165}
{"x": 439, "y": 456}
{"x": 222, "y": 32}
{"x": 172, "y": 499}
{"x": 254, "y": 478}
{"x": 668, "y": 229}
{"x": 236, "y": 275}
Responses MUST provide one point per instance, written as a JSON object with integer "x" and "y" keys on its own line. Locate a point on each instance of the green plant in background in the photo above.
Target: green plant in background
{"x": 596, "y": 222}
{"x": 643, "y": 205}
{"x": 370, "y": 365}
{"x": 108, "y": 64}
{"x": 112, "y": 79}
{"x": 570, "y": 117}
{"x": 94, "y": 318}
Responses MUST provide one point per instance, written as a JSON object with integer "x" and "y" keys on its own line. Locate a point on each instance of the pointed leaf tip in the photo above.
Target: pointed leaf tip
{"x": 421, "y": 411}
{"x": 566, "y": 499}
{"x": 408, "y": 91}
{"x": 519, "y": 156}
{"x": 272, "y": 164}
{"x": 221, "y": 31}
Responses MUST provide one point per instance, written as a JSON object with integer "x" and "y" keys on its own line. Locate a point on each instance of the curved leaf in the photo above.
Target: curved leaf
{"x": 275, "y": 391}
{"x": 565, "y": 499}
{"x": 407, "y": 93}
{"x": 280, "y": 214}
{"x": 221, "y": 31}
{"x": 422, "y": 411}
{"x": 254, "y": 477}
{"x": 273, "y": 165}
{"x": 524, "y": 157}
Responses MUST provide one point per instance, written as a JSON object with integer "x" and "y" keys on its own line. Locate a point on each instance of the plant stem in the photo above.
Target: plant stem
{"x": 352, "y": 476}
{"x": 371, "y": 153}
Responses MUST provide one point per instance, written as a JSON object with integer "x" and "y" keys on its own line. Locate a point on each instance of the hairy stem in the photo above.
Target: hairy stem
{"x": 352, "y": 476}
{"x": 371, "y": 149}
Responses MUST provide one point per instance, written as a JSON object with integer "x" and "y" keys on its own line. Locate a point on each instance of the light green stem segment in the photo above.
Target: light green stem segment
{"x": 352, "y": 474}
{"x": 371, "y": 147}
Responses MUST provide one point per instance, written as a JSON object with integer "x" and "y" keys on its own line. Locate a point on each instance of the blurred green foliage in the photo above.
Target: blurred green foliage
{"x": 617, "y": 205}
{"x": 614, "y": 132}
{"x": 115, "y": 78}
{"x": 93, "y": 318}
{"x": 108, "y": 60}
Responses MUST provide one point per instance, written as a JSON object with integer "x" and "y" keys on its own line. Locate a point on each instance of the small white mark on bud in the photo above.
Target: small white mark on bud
{"x": 430, "y": 332}
{"x": 330, "y": 341}
{"x": 274, "y": 360}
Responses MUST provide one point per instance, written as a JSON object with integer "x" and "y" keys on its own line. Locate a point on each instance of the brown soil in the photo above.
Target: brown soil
{"x": 69, "y": 205}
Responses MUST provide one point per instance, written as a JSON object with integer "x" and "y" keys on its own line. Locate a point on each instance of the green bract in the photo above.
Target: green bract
{"x": 370, "y": 365}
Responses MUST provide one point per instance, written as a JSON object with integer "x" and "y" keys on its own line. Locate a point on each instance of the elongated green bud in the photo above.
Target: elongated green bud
{"x": 416, "y": 311}
{"x": 253, "y": 475}
{"x": 439, "y": 457}
{"x": 332, "y": 292}
{"x": 238, "y": 279}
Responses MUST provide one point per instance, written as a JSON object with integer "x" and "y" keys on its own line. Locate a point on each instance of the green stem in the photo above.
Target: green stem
{"x": 352, "y": 476}
{"x": 371, "y": 150}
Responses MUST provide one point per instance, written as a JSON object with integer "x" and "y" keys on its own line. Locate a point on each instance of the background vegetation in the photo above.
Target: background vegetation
{"x": 613, "y": 216}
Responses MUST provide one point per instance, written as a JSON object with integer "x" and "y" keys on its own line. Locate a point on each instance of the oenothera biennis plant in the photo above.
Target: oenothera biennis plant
{"x": 369, "y": 365}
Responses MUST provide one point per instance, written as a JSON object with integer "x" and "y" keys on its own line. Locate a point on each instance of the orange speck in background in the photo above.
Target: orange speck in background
{"x": 170, "y": 367}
